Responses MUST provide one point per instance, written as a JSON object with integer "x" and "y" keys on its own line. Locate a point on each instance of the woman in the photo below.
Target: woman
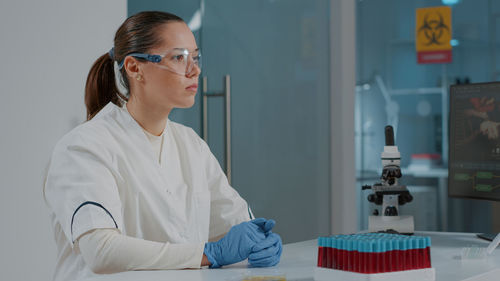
{"x": 130, "y": 189}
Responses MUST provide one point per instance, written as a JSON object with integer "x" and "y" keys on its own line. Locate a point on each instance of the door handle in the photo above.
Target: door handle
{"x": 226, "y": 94}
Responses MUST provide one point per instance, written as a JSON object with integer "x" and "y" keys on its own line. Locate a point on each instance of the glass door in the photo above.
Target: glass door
{"x": 276, "y": 55}
{"x": 392, "y": 88}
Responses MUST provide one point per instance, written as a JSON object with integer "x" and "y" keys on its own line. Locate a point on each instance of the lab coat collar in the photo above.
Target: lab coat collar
{"x": 135, "y": 131}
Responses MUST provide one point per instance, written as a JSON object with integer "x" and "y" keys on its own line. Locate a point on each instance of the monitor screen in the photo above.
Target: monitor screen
{"x": 474, "y": 147}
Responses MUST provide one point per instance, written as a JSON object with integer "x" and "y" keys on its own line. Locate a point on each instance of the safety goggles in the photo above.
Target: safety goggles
{"x": 177, "y": 60}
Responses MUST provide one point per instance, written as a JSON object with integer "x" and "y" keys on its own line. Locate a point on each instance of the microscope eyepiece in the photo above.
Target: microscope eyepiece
{"x": 389, "y": 136}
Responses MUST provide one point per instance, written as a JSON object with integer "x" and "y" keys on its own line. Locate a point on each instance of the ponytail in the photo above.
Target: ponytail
{"x": 100, "y": 88}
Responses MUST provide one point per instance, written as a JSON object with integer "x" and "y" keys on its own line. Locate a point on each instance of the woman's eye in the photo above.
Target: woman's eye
{"x": 179, "y": 58}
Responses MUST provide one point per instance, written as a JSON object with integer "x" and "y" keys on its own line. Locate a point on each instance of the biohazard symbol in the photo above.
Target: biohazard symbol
{"x": 434, "y": 28}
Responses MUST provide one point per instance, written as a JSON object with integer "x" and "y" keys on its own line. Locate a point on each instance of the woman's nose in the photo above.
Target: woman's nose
{"x": 195, "y": 71}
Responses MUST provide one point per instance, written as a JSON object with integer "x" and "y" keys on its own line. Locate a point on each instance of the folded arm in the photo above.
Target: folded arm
{"x": 109, "y": 251}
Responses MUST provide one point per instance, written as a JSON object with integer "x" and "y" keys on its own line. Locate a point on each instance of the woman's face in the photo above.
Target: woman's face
{"x": 163, "y": 87}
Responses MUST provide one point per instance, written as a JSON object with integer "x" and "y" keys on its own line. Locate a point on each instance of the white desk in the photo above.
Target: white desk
{"x": 299, "y": 259}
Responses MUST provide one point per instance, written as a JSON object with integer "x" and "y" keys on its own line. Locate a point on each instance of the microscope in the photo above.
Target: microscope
{"x": 389, "y": 193}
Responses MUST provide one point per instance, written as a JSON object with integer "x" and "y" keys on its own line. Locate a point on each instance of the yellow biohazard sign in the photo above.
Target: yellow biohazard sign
{"x": 433, "y": 35}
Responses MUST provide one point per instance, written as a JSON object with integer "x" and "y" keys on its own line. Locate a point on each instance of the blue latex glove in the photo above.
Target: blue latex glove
{"x": 237, "y": 244}
{"x": 267, "y": 252}
{"x": 265, "y": 225}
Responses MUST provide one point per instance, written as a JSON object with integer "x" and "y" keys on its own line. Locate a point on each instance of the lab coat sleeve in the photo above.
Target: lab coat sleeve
{"x": 107, "y": 251}
{"x": 81, "y": 188}
{"x": 227, "y": 208}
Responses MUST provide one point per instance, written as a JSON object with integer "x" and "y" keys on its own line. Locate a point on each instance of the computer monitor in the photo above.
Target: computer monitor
{"x": 474, "y": 141}
{"x": 474, "y": 155}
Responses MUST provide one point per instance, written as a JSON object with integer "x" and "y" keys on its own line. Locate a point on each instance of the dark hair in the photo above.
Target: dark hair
{"x": 137, "y": 34}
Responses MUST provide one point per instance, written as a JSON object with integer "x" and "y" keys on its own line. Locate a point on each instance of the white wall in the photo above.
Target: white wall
{"x": 46, "y": 50}
{"x": 342, "y": 83}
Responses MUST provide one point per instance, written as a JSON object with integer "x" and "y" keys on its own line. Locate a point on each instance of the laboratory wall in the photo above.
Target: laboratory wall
{"x": 47, "y": 49}
{"x": 386, "y": 59}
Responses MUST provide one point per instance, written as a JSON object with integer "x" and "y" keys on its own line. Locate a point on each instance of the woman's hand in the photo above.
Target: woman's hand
{"x": 266, "y": 253}
{"x": 237, "y": 244}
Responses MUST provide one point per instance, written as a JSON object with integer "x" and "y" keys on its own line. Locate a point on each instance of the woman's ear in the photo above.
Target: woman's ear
{"x": 132, "y": 67}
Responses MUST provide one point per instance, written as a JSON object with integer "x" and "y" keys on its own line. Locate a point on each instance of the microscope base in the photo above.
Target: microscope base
{"x": 401, "y": 224}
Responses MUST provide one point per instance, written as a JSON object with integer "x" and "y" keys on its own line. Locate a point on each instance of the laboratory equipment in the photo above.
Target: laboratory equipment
{"x": 178, "y": 60}
{"x": 474, "y": 153}
{"x": 374, "y": 252}
{"x": 374, "y": 256}
{"x": 474, "y": 141}
{"x": 480, "y": 252}
{"x": 389, "y": 193}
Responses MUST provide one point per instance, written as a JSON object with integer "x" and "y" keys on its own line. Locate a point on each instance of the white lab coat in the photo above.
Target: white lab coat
{"x": 104, "y": 174}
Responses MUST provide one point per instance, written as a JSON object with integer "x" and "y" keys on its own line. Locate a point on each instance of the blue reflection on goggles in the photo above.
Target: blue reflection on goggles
{"x": 151, "y": 58}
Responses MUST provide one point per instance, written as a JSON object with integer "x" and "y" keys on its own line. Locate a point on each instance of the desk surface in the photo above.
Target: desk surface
{"x": 299, "y": 259}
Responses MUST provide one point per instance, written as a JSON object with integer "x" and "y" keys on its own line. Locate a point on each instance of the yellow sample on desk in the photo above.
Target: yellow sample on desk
{"x": 264, "y": 278}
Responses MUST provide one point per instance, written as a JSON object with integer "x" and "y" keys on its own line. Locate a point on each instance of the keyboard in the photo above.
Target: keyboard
{"x": 487, "y": 236}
